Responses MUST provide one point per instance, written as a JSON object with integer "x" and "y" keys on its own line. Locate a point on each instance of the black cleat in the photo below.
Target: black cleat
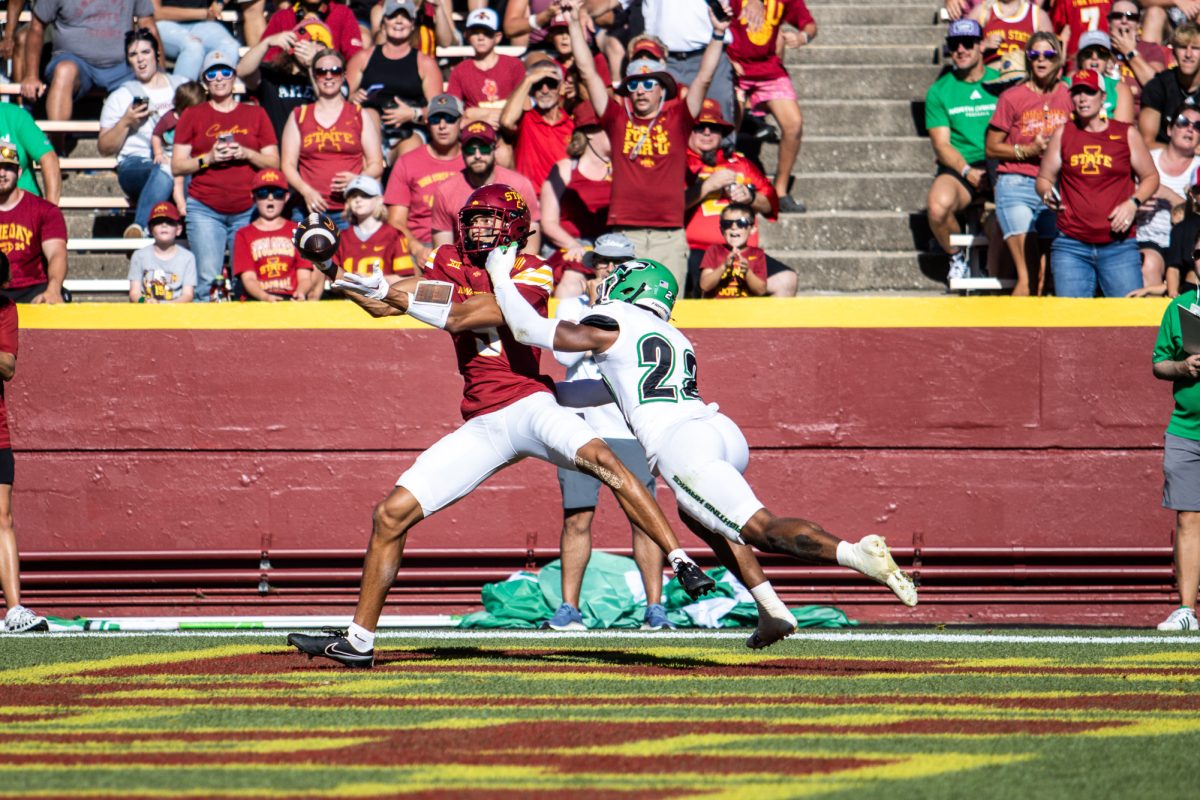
{"x": 692, "y": 579}
{"x": 333, "y": 644}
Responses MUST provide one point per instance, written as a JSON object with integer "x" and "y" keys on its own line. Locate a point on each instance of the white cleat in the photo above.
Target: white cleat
{"x": 1181, "y": 619}
{"x": 770, "y": 630}
{"x": 873, "y": 559}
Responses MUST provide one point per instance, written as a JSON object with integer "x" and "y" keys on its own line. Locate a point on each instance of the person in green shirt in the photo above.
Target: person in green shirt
{"x": 18, "y": 127}
{"x": 1181, "y": 455}
{"x": 957, "y": 110}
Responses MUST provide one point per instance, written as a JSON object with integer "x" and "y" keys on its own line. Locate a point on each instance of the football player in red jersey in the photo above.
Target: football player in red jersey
{"x": 509, "y": 407}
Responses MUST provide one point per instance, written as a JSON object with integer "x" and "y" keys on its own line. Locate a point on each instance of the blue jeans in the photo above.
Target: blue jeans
{"x": 1078, "y": 266}
{"x": 189, "y": 42}
{"x": 146, "y": 182}
{"x": 209, "y": 233}
{"x": 1020, "y": 210}
{"x": 90, "y": 76}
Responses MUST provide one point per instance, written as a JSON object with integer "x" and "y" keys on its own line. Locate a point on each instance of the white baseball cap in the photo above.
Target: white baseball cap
{"x": 365, "y": 184}
{"x": 483, "y": 18}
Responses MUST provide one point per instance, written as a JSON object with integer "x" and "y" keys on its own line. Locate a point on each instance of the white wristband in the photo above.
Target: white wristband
{"x": 430, "y": 303}
{"x": 965, "y": 170}
{"x": 533, "y": 23}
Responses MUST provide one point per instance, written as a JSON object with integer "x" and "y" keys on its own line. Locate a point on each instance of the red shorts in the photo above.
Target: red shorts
{"x": 758, "y": 92}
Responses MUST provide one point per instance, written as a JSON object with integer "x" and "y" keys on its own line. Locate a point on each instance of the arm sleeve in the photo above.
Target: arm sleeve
{"x": 1002, "y": 117}
{"x": 714, "y": 258}
{"x": 243, "y": 258}
{"x": 454, "y": 85}
{"x": 54, "y": 225}
{"x": 135, "y": 266}
{"x": 527, "y": 326}
{"x": 798, "y": 14}
{"x": 31, "y": 137}
{"x": 397, "y": 192}
{"x": 1153, "y": 95}
{"x": 935, "y": 109}
{"x": 1169, "y": 345}
{"x": 442, "y": 220}
{"x": 188, "y": 269}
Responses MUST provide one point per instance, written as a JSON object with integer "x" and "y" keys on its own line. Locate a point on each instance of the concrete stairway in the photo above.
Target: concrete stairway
{"x": 865, "y": 164}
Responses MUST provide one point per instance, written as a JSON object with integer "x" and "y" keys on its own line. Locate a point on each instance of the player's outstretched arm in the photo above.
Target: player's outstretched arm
{"x": 527, "y": 325}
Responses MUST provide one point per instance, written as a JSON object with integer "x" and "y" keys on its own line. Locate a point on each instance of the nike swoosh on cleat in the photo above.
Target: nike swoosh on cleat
{"x": 331, "y": 650}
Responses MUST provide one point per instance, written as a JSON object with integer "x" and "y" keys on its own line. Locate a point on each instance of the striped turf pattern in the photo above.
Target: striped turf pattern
{"x": 600, "y": 717}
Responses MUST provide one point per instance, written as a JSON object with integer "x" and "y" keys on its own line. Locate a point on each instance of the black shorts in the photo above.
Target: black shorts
{"x": 7, "y": 466}
{"x": 26, "y": 293}
{"x": 984, "y": 193}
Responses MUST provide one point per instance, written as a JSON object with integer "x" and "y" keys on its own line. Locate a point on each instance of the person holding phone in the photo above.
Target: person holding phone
{"x": 127, "y": 121}
{"x": 221, "y": 144}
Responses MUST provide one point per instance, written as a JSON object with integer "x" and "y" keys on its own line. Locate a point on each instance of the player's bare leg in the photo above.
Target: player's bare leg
{"x": 775, "y": 622}
{"x": 575, "y": 550}
{"x": 649, "y": 561}
{"x": 355, "y": 647}
{"x": 597, "y": 458}
{"x": 809, "y": 542}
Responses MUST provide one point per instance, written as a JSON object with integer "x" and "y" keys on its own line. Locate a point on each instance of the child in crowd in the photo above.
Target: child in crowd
{"x": 369, "y": 243}
{"x": 734, "y": 269}
{"x": 485, "y": 80}
{"x": 163, "y": 272}
{"x": 263, "y": 254}
{"x": 163, "y": 138}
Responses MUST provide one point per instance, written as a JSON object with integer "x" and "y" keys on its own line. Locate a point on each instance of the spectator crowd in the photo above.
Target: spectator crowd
{"x": 1079, "y": 123}
{"x": 608, "y": 116}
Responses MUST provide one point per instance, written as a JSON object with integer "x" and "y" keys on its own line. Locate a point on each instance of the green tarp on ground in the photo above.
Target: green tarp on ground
{"x": 613, "y": 597}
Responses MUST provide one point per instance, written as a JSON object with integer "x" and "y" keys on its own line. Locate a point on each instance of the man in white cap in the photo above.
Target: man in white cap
{"x": 648, "y": 126}
{"x": 580, "y": 492}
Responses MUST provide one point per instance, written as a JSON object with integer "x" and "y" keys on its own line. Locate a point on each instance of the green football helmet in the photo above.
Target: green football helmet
{"x": 643, "y": 283}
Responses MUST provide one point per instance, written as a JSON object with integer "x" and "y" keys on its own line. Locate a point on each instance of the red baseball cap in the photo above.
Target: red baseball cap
{"x": 269, "y": 177}
{"x": 164, "y": 210}
{"x": 1086, "y": 79}
{"x": 478, "y": 131}
{"x": 647, "y": 47}
{"x": 710, "y": 114}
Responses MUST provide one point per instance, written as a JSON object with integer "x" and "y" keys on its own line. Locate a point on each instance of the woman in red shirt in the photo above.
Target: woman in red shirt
{"x": 1095, "y": 160}
{"x": 329, "y": 142}
{"x": 575, "y": 200}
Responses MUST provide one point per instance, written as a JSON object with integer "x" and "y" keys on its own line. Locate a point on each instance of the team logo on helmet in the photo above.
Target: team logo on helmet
{"x": 644, "y": 283}
{"x": 494, "y": 215}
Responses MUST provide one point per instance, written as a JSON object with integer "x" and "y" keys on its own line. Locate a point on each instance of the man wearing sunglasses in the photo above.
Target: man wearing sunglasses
{"x": 34, "y": 237}
{"x": 88, "y": 49}
{"x": 1140, "y": 60}
{"x": 648, "y": 126}
{"x": 957, "y": 111}
{"x": 479, "y": 153}
{"x": 1172, "y": 88}
{"x": 534, "y": 115}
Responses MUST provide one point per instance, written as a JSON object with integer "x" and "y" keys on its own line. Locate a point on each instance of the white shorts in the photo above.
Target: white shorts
{"x": 533, "y": 426}
{"x": 702, "y": 460}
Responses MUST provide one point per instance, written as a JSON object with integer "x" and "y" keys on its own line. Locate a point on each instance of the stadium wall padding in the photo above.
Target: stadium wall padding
{"x": 1031, "y": 424}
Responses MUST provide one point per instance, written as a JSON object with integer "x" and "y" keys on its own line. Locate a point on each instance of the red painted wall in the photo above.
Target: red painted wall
{"x": 244, "y": 439}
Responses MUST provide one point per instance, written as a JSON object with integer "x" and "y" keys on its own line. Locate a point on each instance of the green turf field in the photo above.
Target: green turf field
{"x": 868, "y": 713}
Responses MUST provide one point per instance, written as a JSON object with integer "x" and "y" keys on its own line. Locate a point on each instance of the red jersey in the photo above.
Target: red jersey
{"x": 414, "y": 179}
{"x": 497, "y": 370}
{"x": 733, "y": 280}
{"x": 1097, "y": 176}
{"x": 541, "y": 144}
{"x": 326, "y": 151}
{"x": 704, "y": 220}
{"x": 385, "y": 248}
{"x": 1023, "y": 113}
{"x": 224, "y": 186}
{"x": 271, "y": 256}
{"x": 1082, "y": 16}
{"x": 453, "y": 192}
{"x": 583, "y": 206}
{"x": 347, "y": 36}
{"x": 649, "y": 162}
{"x": 754, "y": 51}
{"x": 23, "y": 230}
{"x": 8, "y": 344}
{"x": 486, "y": 88}
{"x": 1016, "y": 29}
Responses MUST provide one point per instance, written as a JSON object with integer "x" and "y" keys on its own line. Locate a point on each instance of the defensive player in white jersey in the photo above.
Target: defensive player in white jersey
{"x": 649, "y": 368}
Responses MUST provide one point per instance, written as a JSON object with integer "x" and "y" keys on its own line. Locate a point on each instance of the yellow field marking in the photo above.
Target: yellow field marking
{"x": 25, "y": 675}
{"x": 1167, "y": 658}
{"x": 132, "y": 749}
{"x": 1147, "y": 727}
{"x": 798, "y": 312}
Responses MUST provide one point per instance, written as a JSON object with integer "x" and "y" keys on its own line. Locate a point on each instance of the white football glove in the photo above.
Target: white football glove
{"x": 500, "y": 262}
{"x": 372, "y": 286}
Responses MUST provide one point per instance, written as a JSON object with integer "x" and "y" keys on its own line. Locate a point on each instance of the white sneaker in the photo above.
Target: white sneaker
{"x": 20, "y": 618}
{"x": 1181, "y": 619}
{"x": 770, "y": 630}
{"x": 959, "y": 266}
{"x": 871, "y": 557}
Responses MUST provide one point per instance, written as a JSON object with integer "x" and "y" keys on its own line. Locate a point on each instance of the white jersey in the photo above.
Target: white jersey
{"x": 606, "y": 420}
{"x": 651, "y": 371}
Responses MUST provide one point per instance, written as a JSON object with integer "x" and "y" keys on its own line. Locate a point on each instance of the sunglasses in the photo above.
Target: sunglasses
{"x": 442, "y": 119}
{"x": 965, "y": 42}
{"x": 645, "y": 84}
{"x": 477, "y": 148}
{"x": 8, "y": 152}
{"x": 1095, "y": 52}
{"x": 327, "y": 72}
{"x": 708, "y": 127}
{"x": 273, "y": 192}
{"x": 1184, "y": 122}
{"x": 1132, "y": 16}
{"x": 740, "y": 222}
{"x": 218, "y": 73}
{"x": 1035, "y": 55}
{"x": 545, "y": 83}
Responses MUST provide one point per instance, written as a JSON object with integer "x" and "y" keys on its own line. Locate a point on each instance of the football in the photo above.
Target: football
{"x": 317, "y": 237}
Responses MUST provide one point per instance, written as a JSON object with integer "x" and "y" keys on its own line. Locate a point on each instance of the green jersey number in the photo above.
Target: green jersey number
{"x": 657, "y": 355}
